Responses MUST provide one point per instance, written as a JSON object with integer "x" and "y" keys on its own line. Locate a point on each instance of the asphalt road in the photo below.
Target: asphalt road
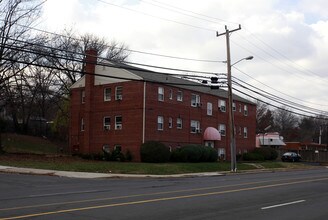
{"x": 279, "y": 195}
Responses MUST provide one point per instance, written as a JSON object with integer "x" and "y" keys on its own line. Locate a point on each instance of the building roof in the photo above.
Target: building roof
{"x": 267, "y": 141}
{"x": 122, "y": 72}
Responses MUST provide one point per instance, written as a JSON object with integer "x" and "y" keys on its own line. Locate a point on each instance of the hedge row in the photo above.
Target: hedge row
{"x": 156, "y": 152}
{"x": 261, "y": 154}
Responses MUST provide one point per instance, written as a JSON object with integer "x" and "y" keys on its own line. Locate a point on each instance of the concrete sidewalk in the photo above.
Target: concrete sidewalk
{"x": 7, "y": 169}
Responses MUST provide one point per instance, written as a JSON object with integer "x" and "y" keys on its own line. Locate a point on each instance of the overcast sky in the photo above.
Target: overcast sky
{"x": 288, "y": 38}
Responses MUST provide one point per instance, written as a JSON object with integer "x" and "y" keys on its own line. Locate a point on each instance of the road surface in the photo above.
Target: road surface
{"x": 276, "y": 195}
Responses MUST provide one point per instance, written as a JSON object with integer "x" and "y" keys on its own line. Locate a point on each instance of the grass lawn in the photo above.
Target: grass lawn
{"x": 34, "y": 152}
{"x": 77, "y": 164}
{"x": 14, "y": 143}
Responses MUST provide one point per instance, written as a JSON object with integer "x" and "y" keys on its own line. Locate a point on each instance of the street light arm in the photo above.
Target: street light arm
{"x": 246, "y": 58}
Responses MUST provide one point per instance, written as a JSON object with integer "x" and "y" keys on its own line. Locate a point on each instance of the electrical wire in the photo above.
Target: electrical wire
{"x": 277, "y": 98}
{"x": 285, "y": 94}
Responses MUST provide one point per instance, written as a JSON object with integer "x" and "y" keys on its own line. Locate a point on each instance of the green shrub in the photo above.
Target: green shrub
{"x": 154, "y": 152}
{"x": 253, "y": 156}
{"x": 128, "y": 155}
{"x": 176, "y": 155}
{"x": 92, "y": 156}
{"x": 268, "y": 153}
{"x": 209, "y": 154}
{"x": 117, "y": 155}
{"x": 191, "y": 153}
{"x": 194, "y": 153}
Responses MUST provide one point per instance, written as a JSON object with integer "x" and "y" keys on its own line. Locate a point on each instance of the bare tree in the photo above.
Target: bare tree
{"x": 286, "y": 123}
{"x": 264, "y": 117}
{"x": 16, "y": 17}
{"x": 117, "y": 52}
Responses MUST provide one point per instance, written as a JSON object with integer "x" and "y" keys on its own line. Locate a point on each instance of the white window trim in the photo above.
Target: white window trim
{"x": 197, "y": 101}
{"x": 118, "y": 126}
{"x": 245, "y": 132}
{"x": 222, "y": 129}
{"x": 170, "y": 122}
{"x": 194, "y": 126}
{"x": 106, "y": 99}
{"x": 161, "y": 94}
{"x": 234, "y": 108}
{"x": 222, "y": 105}
{"x": 120, "y": 95}
{"x": 160, "y": 123}
{"x": 179, "y": 123}
{"x": 209, "y": 108}
{"x": 180, "y": 96}
{"x": 245, "y": 110}
{"x": 106, "y": 127}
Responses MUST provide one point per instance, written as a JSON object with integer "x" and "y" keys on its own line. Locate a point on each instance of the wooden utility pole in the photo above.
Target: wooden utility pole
{"x": 230, "y": 100}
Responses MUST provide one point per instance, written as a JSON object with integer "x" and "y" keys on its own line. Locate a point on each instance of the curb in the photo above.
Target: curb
{"x": 86, "y": 175}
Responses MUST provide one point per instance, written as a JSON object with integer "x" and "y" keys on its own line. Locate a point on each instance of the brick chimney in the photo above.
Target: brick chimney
{"x": 89, "y": 71}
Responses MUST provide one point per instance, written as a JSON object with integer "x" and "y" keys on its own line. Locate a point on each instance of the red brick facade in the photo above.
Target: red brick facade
{"x": 139, "y": 109}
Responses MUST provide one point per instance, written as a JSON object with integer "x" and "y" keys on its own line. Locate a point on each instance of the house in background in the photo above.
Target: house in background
{"x": 116, "y": 106}
{"x": 272, "y": 139}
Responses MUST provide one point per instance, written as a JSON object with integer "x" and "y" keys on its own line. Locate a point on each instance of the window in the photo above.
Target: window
{"x": 106, "y": 148}
{"x": 170, "y": 122}
{"x": 245, "y": 110}
{"x": 106, "y": 122}
{"x": 179, "y": 96}
{"x": 107, "y": 93}
{"x": 160, "y": 94}
{"x": 179, "y": 123}
{"x": 171, "y": 94}
{"x": 82, "y": 96}
{"x": 195, "y": 100}
{"x": 234, "y": 106}
{"x": 209, "y": 108}
{"x": 160, "y": 123}
{"x": 118, "y": 122}
{"x": 221, "y": 153}
{"x": 82, "y": 124}
{"x": 195, "y": 126}
{"x": 222, "y": 105}
{"x": 118, "y": 93}
{"x": 222, "y": 129}
{"x": 245, "y": 132}
{"x": 239, "y": 107}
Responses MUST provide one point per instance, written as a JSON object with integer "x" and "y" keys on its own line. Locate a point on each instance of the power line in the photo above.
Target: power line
{"x": 276, "y": 100}
{"x": 276, "y": 97}
{"x": 195, "y": 13}
{"x": 277, "y": 107}
{"x": 276, "y": 89}
{"x": 44, "y": 53}
{"x": 157, "y": 17}
{"x": 125, "y": 49}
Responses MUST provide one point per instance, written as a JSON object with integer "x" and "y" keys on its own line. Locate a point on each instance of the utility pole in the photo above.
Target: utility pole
{"x": 230, "y": 100}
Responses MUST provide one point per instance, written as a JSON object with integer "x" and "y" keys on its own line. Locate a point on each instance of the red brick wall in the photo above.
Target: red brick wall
{"x": 131, "y": 110}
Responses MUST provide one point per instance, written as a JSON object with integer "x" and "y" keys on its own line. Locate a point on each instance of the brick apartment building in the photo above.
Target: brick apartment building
{"x": 124, "y": 107}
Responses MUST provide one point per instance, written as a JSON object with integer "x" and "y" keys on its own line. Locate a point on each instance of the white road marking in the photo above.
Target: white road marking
{"x": 283, "y": 204}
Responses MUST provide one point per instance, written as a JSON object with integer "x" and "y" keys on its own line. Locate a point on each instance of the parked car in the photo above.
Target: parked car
{"x": 291, "y": 157}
